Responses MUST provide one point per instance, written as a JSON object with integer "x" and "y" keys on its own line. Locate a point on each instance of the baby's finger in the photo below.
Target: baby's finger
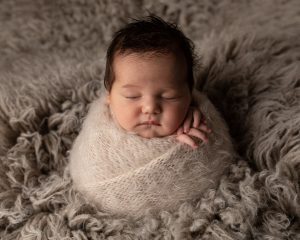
{"x": 187, "y": 122}
{"x": 183, "y": 138}
{"x": 197, "y": 133}
{"x": 196, "y": 118}
{"x": 204, "y": 128}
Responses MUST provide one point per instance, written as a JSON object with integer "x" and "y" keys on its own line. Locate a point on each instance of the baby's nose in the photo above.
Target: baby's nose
{"x": 151, "y": 107}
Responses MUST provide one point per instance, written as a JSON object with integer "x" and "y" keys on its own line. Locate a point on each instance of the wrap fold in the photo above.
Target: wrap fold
{"x": 125, "y": 174}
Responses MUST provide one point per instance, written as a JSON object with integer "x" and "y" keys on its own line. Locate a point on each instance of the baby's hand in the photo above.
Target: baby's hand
{"x": 193, "y": 125}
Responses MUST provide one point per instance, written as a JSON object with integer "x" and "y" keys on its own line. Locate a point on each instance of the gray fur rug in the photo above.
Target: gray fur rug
{"x": 51, "y": 68}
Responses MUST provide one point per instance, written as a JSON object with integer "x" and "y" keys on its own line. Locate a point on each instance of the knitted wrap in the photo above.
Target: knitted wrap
{"x": 123, "y": 173}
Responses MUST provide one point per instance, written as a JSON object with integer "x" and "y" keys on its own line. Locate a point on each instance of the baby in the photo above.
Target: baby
{"x": 149, "y": 79}
{"x": 129, "y": 155}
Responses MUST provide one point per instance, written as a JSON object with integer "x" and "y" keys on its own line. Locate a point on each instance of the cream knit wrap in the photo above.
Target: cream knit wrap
{"x": 126, "y": 174}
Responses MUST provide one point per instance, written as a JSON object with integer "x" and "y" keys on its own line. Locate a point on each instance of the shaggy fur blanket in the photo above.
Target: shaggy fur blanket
{"x": 51, "y": 68}
{"x": 123, "y": 173}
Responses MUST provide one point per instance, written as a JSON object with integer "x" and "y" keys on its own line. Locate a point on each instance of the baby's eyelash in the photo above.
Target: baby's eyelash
{"x": 170, "y": 98}
{"x": 161, "y": 97}
{"x": 134, "y": 97}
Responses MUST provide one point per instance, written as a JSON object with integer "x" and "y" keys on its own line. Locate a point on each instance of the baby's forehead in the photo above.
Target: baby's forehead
{"x": 142, "y": 61}
{"x": 159, "y": 68}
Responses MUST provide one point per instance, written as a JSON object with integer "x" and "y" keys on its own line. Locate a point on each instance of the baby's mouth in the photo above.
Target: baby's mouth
{"x": 149, "y": 123}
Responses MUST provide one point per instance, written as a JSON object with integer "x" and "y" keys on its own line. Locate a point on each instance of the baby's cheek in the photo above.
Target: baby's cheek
{"x": 173, "y": 124}
{"x": 123, "y": 118}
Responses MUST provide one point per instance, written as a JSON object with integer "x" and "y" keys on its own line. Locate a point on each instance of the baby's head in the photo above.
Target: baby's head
{"x": 149, "y": 77}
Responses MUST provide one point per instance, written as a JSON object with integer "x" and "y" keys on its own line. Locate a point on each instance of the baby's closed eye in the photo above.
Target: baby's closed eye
{"x": 132, "y": 97}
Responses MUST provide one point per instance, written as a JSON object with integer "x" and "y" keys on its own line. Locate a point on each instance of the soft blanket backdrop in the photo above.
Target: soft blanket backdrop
{"x": 52, "y": 56}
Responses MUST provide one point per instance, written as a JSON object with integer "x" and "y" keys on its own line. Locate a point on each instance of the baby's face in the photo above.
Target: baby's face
{"x": 150, "y": 95}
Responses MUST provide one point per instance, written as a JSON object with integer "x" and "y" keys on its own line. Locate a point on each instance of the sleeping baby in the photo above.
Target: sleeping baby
{"x": 144, "y": 144}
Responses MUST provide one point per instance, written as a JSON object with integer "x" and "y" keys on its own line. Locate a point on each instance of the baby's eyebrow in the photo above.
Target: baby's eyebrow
{"x": 129, "y": 86}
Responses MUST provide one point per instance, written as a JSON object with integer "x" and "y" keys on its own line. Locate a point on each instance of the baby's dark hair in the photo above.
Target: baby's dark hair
{"x": 151, "y": 34}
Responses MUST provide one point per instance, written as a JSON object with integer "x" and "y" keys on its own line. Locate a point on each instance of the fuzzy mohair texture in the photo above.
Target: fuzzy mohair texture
{"x": 51, "y": 69}
{"x": 128, "y": 175}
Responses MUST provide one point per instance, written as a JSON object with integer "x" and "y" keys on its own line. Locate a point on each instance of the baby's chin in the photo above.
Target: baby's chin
{"x": 149, "y": 135}
{"x": 153, "y": 133}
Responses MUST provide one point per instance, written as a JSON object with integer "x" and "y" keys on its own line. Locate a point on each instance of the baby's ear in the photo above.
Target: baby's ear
{"x": 107, "y": 99}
